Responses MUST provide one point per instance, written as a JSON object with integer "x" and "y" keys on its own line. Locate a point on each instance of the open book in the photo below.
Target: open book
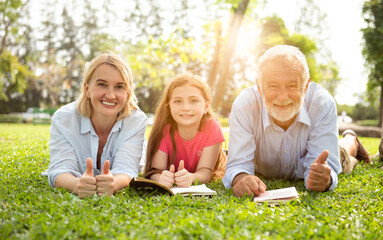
{"x": 194, "y": 190}
{"x": 277, "y": 196}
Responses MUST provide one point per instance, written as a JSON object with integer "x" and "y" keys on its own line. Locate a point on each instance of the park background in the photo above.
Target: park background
{"x": 45, "y": 45}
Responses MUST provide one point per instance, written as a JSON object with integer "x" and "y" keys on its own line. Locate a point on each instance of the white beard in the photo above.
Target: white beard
{"x": 283, "y": 114}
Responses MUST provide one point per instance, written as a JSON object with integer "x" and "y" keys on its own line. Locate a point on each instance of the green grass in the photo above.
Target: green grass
{"x": 30, "y": 209}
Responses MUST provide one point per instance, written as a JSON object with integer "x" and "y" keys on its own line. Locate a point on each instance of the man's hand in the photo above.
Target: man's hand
{"x": 167, "y": 177}
{"x": 245, "y": 184}
{"x": 106, "y": 183}
{"x": 87, "y": 183}
{"x": 182, "y": 177}
{"x": 319, "y": 178}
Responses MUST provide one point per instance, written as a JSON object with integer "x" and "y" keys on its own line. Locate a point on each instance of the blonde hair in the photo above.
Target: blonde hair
{"x": 163, "y": 117}
{"x": 84, "y": 105}
{"x": 284, "y": 55}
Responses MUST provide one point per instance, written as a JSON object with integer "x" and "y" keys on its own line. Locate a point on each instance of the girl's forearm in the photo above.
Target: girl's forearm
{"x": 202, "y": 175}
{"x": 155, "y": 177}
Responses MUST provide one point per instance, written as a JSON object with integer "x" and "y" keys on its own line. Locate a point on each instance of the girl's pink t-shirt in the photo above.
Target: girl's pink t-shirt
{"x": 190, "y": 151}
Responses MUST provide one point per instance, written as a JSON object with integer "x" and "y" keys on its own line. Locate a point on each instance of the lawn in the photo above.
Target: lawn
{"x": 30, "y": 209}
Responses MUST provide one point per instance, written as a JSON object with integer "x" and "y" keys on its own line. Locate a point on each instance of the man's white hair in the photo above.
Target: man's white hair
{"x": 286, "y": 53}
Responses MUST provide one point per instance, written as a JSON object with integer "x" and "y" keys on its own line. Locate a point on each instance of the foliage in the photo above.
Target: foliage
{"x": 30, "y": 209}
{"x": 7, "y": 118}
{"x": 373, "y": 46}
{"x": 12, "y": 75}
{"x": 9, "y": 16}
{"x": 158, "y": 39}
{"x": 224, "y": 121}
{"x": 360, "y": 111}
{"x": 71, "y": 33}
{"x": 222, "y": 64}
{"x": 156, "y": 63}
{"x": 13, "y": 69}
{"x": 274, "y": 32}
{"x": 344, "y": 107}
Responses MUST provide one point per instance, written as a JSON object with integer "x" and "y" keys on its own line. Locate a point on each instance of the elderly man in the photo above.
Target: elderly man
{"x": 284, "y": 127}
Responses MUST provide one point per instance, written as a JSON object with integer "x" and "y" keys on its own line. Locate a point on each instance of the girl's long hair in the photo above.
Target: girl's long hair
{"x": 163, "y": 117}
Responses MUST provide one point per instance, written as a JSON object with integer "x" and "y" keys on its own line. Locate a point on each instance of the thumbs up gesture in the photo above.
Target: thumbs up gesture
{"x": 319, "y": 178}
{"x": 106, "y": 183}
{"x": 167, "y": 177}
{"x": 87, "y": 183}
{"x": 182, "y": 177}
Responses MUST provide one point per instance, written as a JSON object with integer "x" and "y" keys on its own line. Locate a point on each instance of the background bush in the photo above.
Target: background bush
{"x": 360, "y": 112}
{"x": 224, "y": 121}
{"x": 6, "y": 118}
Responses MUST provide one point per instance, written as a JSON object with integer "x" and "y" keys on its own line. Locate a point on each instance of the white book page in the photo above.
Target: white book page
{"x": 194, "y": 189}
{"x": 290, "y": 192}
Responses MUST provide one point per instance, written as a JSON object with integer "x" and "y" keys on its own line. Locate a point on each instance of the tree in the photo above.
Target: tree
{"x": 50, "y": 72}
{"x": 158, "y": 45}
{"x": 312, "y": 21}
{"x": 67, "y": 42}
{"x": 221, "y": 69}
{"x": 13, "y": 66}
{"x": 155, "y": 63}
{"x": 372, "y": 13}
{"x": 274, "y": 32}
{"x": 72, "y": 56}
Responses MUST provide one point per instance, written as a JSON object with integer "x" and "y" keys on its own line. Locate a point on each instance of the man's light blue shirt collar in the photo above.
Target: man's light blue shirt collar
{"x": 303, "y": 116}
{"x": 265, "y": 119}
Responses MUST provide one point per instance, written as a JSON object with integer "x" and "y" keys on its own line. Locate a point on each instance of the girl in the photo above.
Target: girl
{"x": 96, "y": 142}
{"x": 185, "y": 142}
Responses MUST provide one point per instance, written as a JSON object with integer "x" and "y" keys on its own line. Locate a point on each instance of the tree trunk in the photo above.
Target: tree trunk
{"x": 381, "y": 148}
{"x": 380, "y": 125}
{"x": 224, "y": 68}
{"x": 214, "y": 65}
{"x": 381, "y": 107}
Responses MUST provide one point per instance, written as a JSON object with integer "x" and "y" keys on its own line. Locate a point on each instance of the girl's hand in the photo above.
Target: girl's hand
{"x": 167, "y": 177}
{"x": 182, "y": 177}
{"x": 106, "y": 183}
{"x": 86, "y": 186}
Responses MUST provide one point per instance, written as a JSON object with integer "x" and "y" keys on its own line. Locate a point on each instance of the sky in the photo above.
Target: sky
{"x": 344, "y": 22}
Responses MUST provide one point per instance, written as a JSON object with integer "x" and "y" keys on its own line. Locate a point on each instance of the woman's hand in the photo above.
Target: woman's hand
{"x": 106, "y": 183}
{"x": 167, "y": 177}
{"x": 87, "y": 183}
{"x": 182, "y": 177}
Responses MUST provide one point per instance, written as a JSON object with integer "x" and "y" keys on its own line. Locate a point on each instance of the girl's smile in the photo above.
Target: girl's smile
{"x": 187, "y": 115}
{"x": 187, "y": 106}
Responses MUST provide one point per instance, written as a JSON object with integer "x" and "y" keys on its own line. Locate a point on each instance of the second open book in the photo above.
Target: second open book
{"x": 194, "y": 190}
{"x": 277, "y": 196}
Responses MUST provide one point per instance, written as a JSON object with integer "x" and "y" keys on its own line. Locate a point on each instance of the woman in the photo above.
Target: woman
{"x": 103, "y": 129}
